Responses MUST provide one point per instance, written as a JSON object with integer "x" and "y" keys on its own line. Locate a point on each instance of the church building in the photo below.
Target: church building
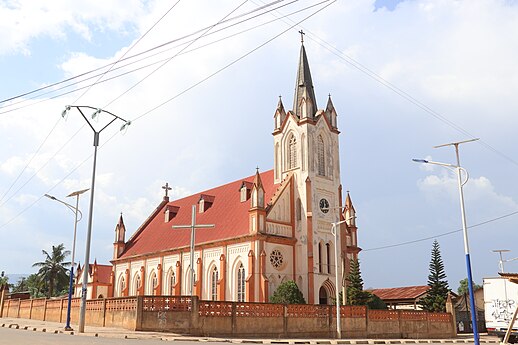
{"x": 255, "y": 233}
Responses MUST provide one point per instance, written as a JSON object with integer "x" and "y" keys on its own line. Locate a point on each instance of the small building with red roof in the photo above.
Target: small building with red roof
{"x": 99, "y": 281}
{"x": 406, "y": 297}
{"x": 257, "y": 232}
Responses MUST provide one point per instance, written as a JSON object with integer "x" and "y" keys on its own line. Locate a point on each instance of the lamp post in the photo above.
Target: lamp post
{"x": 458, "y": 169}
{"x": 81, "y": 109}
{"x": 501, "y": 261}
{"x": 76, "y": 211}
{"x": 335, "y": 233}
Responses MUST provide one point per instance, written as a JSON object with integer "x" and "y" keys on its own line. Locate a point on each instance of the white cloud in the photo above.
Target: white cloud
{"x": 454, "y": 56}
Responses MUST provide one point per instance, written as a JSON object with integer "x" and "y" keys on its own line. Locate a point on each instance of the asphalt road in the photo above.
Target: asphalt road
{"x": 10, "y": 336}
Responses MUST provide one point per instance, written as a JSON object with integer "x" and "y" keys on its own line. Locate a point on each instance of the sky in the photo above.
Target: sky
{"x": 404, "y": 77}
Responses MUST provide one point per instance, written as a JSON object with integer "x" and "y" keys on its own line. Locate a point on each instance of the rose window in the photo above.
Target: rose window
{"x": 276, "y": 259}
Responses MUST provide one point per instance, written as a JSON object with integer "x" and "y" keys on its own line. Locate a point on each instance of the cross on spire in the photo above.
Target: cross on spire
{"x": 301, "y": 36}
{"x": 167, "y": 189}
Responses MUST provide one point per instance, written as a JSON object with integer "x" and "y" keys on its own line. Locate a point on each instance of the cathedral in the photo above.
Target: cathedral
{"x": 255, "y": 233}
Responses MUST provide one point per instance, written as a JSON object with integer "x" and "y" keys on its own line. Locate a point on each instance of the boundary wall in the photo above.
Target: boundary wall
{"x": 188, "y": 315}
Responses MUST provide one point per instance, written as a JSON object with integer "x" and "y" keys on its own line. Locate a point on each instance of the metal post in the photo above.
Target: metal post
{"x": 71, "y": 283}
{"x": 84, "y": 289}
{"x": 193, "y": 234}
{"x": 337, "y": 290}
{"x": 466, "y": 251}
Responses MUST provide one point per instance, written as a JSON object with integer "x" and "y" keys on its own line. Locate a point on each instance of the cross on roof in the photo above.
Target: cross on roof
{"x": 301, "y": 36}
{"x": 167, "y": 188}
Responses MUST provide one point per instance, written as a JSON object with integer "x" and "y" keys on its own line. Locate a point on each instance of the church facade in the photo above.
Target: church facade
{"x": 257, "y": 232}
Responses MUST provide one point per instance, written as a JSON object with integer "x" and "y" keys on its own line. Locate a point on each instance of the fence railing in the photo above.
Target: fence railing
{"x": 142, "y": 313}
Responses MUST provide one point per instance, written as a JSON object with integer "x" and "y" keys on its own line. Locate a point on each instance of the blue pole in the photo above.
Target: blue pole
{"x": 70, "y": 292}
{"x": 472, "y": 301}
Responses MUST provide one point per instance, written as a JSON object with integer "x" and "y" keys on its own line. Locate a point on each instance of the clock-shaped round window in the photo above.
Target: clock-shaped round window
{"x": 324, "y": 205}
{"x": 276, "y": 259}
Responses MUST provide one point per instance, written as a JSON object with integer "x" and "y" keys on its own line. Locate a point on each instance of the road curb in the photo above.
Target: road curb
{"x": 144, "y": 336}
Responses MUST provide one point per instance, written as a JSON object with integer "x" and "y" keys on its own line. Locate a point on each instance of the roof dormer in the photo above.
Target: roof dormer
{"x": 245, "y": 190}
{"x": 205, "y": 202}
{"x": 170, "y": 212}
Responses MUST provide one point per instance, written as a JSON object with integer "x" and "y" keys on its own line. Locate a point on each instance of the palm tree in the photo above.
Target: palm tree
{"x": 53, "y": 270}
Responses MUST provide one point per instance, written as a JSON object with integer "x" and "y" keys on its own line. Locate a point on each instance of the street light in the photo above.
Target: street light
{"x": 458, "y": 168}
{"x": 337, "y": 266}
{"x": 76, "y": 211}
{"x": 84, "y": 288}
{"x": 501, "y": 261}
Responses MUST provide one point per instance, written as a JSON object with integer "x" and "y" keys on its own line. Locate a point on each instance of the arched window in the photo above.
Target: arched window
{"x": 172, "y": 281}
{"x": 276, "y": 161}
{"x": 292, "y": 152}
{"x": 328, "y": 257}
{"x": 303, "y": 151}
{"x": 214, "y": 284}
{"x": 241, "y": 283}
{"x": 122, "y": 285}
{"x": 153, "y": 282}
{"x": 321, "y": 156}
{"x": 137, "y": 284}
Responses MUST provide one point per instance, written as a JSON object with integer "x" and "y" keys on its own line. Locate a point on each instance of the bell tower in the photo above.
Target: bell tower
{"x": 306, "y": 145}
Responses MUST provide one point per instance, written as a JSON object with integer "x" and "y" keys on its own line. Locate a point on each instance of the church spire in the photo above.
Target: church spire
{"x": 304, "y": 103}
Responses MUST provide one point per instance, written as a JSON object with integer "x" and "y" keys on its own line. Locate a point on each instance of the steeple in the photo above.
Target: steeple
{"x": 330, "y": 112}
{"x": 349, "y": 211}
{"x": 257, "y": 191}
{"x": 120, "y": 234}
{"x": 304, "y": 103}
{"x": 280, "y": 114}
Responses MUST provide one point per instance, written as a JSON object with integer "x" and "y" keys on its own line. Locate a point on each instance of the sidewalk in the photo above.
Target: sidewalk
{"x": 109, "y": 332}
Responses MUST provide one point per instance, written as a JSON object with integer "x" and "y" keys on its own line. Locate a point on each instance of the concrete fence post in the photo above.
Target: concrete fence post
{"x": 451, "y": 309}
{"x": 195, "y": 316}
{"x": 104, "y": 312}
{"x": 399, "y": 324}
{"x": 30, "y": 309}
{"x": 140, "y": 310}
{"x": 367, "y": 322}
{"x": 234, "y": 315}
{"x": 285, "y": 320}
{"x": 2, "y": 301}
{"x": 45, "y": 310}
{"x": 61, "y": 310}
{"x": 18, "y": 311}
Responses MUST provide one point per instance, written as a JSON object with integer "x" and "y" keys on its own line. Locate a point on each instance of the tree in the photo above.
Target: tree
{"x": 354, "y": 293}
{"x": 463, "y": 287}
{"x": 4, "y": 280}
{"x": 435, "y": 300}
{"x": 53, "y": 271}
{"x": 288, "y": 293}
{"x": 374, "y": 302}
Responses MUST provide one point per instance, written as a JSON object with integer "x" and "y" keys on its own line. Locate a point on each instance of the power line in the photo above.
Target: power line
{"x": 127, "y": 51}
{"x": 167, "y": 101}
{"x": 105, "y": 80}
{"x": 373, "y": 75}
{"x": 439, "y": 235}
{"x": 153, "y": 63}
{"x": 109, "y": 65}
{"x": 234, "y": 61}
{"x": 55, "y": 125}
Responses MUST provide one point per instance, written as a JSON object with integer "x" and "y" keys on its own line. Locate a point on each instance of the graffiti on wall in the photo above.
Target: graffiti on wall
{"x": 502, "y": 310}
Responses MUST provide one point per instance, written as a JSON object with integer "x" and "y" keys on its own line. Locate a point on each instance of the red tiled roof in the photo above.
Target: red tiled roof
{"x": 401, "y": 293}
{"x": 103, "y": 273}
{"x": 228, "y": 213}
